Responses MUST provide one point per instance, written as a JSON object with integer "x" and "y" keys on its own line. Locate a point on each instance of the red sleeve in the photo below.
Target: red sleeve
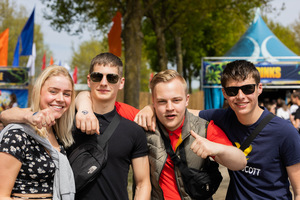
{"x": 126, "y": 110}
{"x": 215, "y": 134}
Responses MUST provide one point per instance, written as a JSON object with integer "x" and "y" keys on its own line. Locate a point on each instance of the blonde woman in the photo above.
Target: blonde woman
{"x": 32, "y": 160}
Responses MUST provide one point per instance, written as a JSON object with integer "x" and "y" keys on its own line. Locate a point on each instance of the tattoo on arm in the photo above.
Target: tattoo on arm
{"x": 85, "y": 112}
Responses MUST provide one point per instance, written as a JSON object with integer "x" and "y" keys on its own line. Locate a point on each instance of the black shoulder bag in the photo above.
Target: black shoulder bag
{"x": 89, "y": 158}
{"x": 199, "y": 184}
{"x": 259, "y": 127}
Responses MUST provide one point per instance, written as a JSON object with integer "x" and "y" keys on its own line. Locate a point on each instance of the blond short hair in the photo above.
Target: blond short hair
{"x": 63, "y": 125}
{"x": 166, "y": 76}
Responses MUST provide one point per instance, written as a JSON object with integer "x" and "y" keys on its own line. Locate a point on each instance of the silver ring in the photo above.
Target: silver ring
{"x": 44, "y": 123}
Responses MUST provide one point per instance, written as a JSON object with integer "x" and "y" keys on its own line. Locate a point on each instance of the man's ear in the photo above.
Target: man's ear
{"x": 259, "y": 88}
{"x": 224, "y": 93}
{"x": 122, "y": 82}
{"x": 187, "y": 100}
{"x": 88, "y": 80}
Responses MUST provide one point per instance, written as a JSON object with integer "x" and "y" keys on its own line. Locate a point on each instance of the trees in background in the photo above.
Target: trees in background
{"x": 98, "y": 14}
{"x": 180, "y": 33}
{"x": 162, "y": 32}
{"x": 286, "y": 34}
{"x": 157, "y": 34}
{"x": 14, "y": 18}
{"x": 84, "y": 54}
{"x": 296, "y": 30}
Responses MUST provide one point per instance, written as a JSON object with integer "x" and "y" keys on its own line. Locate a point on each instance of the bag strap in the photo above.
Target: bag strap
{"x": 168, "y": 146}
{"x": 181, "y": 162}
{"x": 259, "y": 127}
{"x": 102, "y": 140}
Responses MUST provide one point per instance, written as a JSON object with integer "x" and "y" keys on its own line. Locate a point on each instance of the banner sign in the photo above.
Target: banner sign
{"x": 13, "y": 76}
{"x": 22, "y": 97}
{"x": 274, "y": 74}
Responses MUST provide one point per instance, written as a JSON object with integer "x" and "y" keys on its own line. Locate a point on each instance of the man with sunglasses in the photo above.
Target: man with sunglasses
{"x": 169, "y": 93}
{"x": 273, "y": 156}
{"x": 127, "y": 145}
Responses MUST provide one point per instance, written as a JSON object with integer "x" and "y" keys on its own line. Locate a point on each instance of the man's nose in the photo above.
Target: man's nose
{"x": 240, "y": 94}
{"x": 104, "y": 80}
{"x": 169, "y": 105}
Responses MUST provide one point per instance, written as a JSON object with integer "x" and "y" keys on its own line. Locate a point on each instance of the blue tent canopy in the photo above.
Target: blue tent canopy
{"x": 257, "y": 44}
{"x": 259, "y": 41}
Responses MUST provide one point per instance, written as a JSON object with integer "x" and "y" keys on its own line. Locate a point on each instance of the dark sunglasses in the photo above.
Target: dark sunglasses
{"x": 233, "y": 91}
{"x": 111, "y": 78}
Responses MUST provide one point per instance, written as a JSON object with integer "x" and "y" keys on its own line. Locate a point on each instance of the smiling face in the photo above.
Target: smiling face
{"x": 245, "y": 106}
{"x": 56, "y": 94}
{"x": 170, "y": 101}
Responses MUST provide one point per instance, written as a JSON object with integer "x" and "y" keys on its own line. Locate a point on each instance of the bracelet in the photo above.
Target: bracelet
{"x": 34, "y": 113}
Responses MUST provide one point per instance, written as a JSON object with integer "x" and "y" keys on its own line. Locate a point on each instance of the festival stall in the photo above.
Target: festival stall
{"x": 13, "y": 80}
{"x": 279, "y": 67}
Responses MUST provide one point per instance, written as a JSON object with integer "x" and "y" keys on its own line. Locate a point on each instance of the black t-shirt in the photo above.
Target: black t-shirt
{"x": 127, "y": 142}
{"x": 297, "y": 113}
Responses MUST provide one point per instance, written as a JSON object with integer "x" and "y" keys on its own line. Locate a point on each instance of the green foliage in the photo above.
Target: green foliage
{"x": 206, "y": 28}
{"x": 14, "y": 18}
{"x": 296, "y": 30}
{"x": 149, "y": 45}
{"x": 84, "y": 55}
{"x": 145, "y": 74}
{"x": 285, "y": 34}
{"x": 75, "y": 16}
{"x": 89, "y": 49}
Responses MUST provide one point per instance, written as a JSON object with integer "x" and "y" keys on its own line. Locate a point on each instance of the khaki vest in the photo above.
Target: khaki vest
{"x": 158, "y": 154}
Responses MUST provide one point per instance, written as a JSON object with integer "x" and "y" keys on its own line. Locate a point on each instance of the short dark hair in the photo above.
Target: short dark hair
{"x": 107, "y": 59}
{"x": 296, "y": 94}
{"x": 240, "y": 70}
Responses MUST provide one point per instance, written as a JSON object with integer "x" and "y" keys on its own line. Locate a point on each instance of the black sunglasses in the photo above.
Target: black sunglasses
{"x": 111, "y": 78}
{"x": 233, "y": 91}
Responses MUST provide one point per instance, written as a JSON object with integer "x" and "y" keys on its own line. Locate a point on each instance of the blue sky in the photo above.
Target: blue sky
{"x": 61, "y": 43}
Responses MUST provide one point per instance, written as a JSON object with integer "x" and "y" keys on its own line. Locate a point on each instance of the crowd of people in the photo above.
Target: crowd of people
{"x": 12, "y": 103}
{"x": 37, "y": 141}
{"x": 289, "y": 111}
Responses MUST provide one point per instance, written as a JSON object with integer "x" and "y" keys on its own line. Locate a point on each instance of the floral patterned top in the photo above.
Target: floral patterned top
{"x": 37, "y": 171}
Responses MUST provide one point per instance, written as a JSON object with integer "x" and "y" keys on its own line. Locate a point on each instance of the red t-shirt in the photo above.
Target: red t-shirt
{"x": 167, "y": 180}
{"x": 126, "y": 111}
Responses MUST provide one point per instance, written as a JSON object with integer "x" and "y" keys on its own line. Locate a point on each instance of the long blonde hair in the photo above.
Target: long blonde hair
{"x": 63, "y": 125}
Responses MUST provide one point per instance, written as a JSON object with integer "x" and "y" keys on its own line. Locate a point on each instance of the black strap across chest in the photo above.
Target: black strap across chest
{"x": 103, "y": 138}
{"x": 259, "y": 127}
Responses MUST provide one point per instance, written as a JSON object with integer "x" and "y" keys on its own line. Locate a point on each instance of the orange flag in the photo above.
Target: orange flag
{"x": 114, "y": 36}
{"x": 75, "y": 75}
{"x": 4, "y": 47}
{"x": 44, "y": 61}
{"x": 51, "y": 61}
